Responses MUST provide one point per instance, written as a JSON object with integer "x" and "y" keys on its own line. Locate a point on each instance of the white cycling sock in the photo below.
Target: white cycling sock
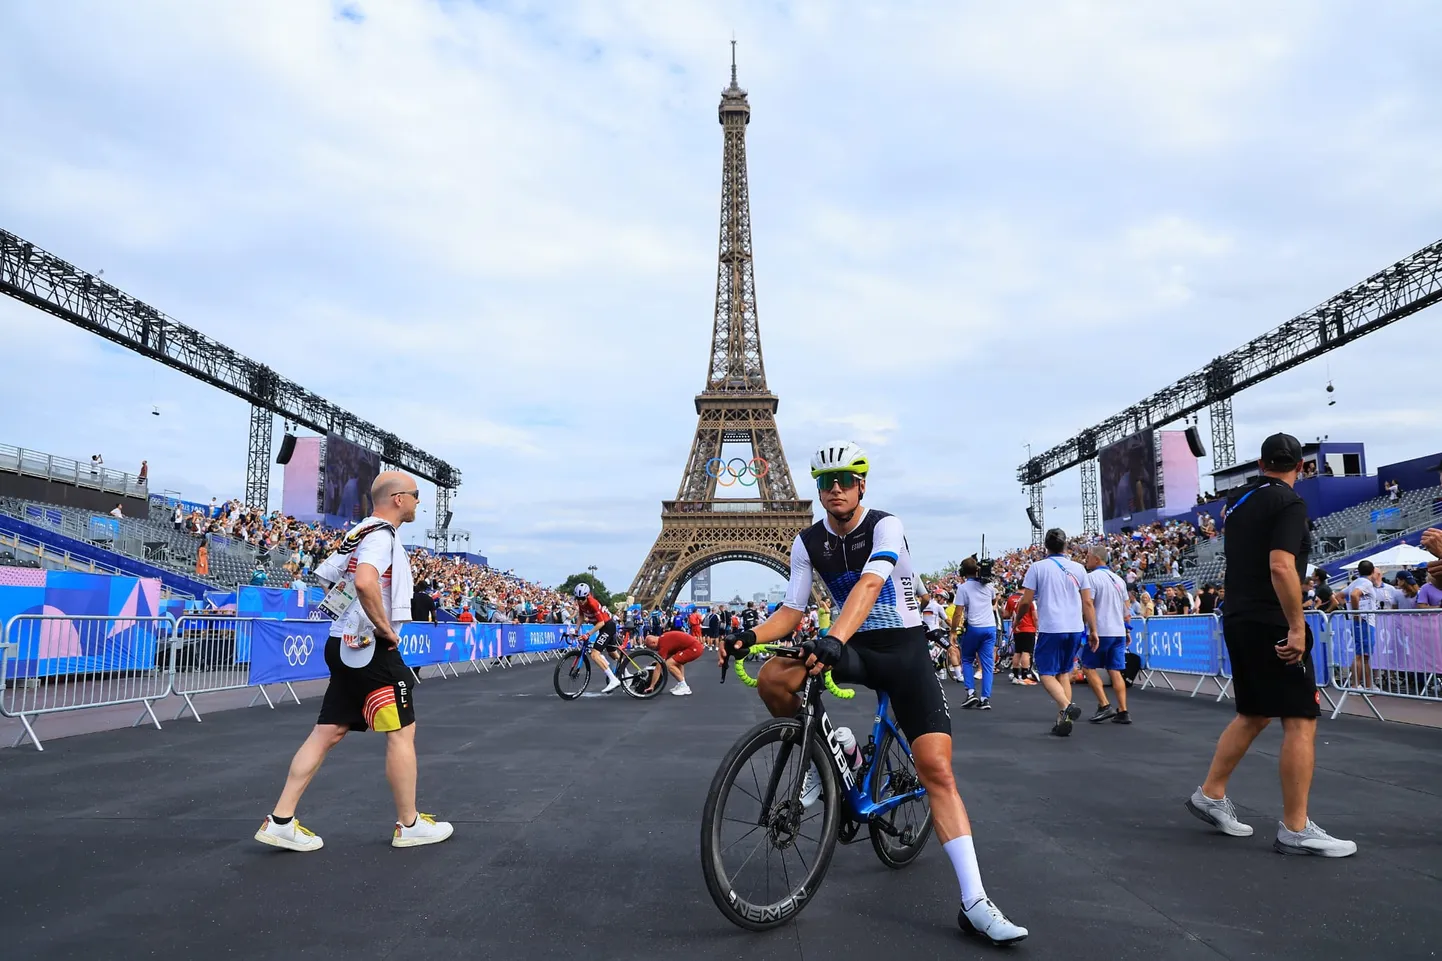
{"x": 956, "y": 673}
{"x": 963, "y": 859}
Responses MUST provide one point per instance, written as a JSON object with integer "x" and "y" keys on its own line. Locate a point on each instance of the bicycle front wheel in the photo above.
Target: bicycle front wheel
{"x": 763, "y": 862}
{"x": 642, "y": 673}
{"x": 573, "y": 673}
{"x": 911, "y": 820}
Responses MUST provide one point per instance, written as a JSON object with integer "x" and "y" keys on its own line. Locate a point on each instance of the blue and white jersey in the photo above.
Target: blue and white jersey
{"x": 876, "y": 546}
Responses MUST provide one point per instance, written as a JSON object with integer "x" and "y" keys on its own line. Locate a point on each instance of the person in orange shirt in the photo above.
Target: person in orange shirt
{"x": 694, "y": 622}
{"x": 466, "y": 617}
{"x": 1023, "y": 638}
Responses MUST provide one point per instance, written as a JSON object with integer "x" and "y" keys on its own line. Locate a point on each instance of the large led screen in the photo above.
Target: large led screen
{"x": 301, "y": 498}
{"x": 1128, "y": 476}
{"x": 350, "y": 470}
{"x": 1181, "y": 478}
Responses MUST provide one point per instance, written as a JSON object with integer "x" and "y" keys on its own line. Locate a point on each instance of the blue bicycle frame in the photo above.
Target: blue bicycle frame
{"x": 859, "y": 805}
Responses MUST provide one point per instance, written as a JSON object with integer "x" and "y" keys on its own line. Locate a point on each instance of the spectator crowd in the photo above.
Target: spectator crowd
{"x": 474, "y": 592}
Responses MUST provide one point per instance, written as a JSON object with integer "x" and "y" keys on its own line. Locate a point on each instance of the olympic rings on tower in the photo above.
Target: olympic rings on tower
{"x": 727, "y": 473}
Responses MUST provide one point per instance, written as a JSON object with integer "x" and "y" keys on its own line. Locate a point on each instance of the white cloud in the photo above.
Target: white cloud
{"x": 492, "y": 228}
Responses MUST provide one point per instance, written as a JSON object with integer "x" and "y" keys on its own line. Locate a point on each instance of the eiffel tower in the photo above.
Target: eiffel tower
{"x": 698, "y": 529}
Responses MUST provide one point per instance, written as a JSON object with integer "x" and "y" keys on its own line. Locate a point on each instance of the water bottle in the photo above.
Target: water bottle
{"x": 847, "y": 740}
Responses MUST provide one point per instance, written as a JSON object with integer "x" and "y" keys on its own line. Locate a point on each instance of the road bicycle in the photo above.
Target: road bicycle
{"x": 765, "y": 793}
{"x": 641, "y": 672}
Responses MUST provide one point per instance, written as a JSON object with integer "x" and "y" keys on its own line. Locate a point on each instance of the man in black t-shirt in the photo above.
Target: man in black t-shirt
{"x": 1207, "y": 600}
{"x": 1270, "y": 646}
{"x": 423, "y": 606}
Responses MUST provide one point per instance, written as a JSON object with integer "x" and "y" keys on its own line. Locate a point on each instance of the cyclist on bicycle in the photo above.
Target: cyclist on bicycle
{"x": 590, "y": 611}
{"x": 876, "y": 640}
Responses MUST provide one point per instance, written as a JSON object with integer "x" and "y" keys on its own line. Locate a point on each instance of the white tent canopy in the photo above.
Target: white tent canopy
{"x": 1403, "y": 556}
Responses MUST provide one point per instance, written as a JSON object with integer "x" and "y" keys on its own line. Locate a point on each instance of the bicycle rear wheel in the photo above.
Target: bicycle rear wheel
{"x": 573, "y": 673}
{"x": 896, "y": 774}
{"x": 763, "y": 866}
{"x": 636, "y": 671}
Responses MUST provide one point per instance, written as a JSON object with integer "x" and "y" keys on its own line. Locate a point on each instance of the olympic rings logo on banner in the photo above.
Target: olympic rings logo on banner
{"x": 727, "y": 473}
{"x": 297, "y": 648}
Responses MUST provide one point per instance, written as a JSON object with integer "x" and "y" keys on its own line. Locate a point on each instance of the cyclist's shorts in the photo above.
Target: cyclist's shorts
{"x": 679, "y": 645}
{"x": 605, "y": 638}
{"x": 896, "y": 660}
{"x": 376, "y": 697}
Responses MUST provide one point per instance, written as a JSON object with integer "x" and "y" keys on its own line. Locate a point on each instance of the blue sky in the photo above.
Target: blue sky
{"x": 976, "y": 226}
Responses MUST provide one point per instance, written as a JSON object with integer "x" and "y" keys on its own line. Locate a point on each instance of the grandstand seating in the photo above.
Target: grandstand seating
{"x": 1350, "y": 529}
{"x": 154, "y": 542}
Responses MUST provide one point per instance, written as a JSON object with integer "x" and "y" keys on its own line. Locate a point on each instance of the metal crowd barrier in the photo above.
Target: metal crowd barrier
{"x": 208, "y": 655}
{"x": 1189, "y": 644}
{"x": 55, "y": 663}
{"x": 1392, "y": 653}
{"x": 68, "y": 663}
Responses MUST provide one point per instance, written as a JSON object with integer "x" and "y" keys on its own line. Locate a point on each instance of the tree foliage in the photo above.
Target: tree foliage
{"x": 603, "y": 596}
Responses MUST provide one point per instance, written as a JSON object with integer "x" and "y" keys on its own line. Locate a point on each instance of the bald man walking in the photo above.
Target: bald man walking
{"x": 370, "y": 686}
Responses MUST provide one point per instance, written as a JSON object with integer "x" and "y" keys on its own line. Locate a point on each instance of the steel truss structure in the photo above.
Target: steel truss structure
{"x": 1411, "y": 284}
{"x": 699, "y": 529}
{"x": 42, "y": 280}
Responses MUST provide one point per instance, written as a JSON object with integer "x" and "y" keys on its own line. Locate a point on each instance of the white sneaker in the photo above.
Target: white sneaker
{"x": 290, "y": 836}
{"x": 611, "y": 684}
{"x": 426, "y": 830}
{"x": 986, "y": 919}
{"x": 1310, "y": 840}
{"x": 1017, "y": 680}
{"x": 681, "y": 689}
{"x": 1218, "y": 813}
{"x": 977, "y": 674}
{"x": 810, "y": 787}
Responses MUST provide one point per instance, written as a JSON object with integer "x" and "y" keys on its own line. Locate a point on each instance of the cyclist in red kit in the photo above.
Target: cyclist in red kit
{"x": 590, "y": 611}
{"x": 676, "y": 648}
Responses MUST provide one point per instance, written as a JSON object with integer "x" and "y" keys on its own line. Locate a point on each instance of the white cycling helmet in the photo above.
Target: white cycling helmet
{"x": 581, "y": 591}
{"x": 838, "y": 455}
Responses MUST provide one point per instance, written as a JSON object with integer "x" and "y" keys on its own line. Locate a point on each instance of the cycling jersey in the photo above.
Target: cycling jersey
{"x": 590, "y": 611}
{"x": 876, "y": 546}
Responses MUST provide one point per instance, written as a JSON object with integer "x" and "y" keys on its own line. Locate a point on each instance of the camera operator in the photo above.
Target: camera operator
{"x": 976, "y": 612}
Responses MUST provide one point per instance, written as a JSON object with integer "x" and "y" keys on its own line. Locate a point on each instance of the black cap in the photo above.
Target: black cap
{"x": 1281, "y": 452}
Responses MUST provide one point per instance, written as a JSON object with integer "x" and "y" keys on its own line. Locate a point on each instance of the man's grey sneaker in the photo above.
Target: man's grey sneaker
{"x": 1219, "y": 814}
{"x": 1122, "y": 717}
{"x": 1103, "y": 713}
{"x": 985, "y": 919}
{"x": 1062, "y": 727}
{"x": 1312, "y": 840}
{"x": 1073, "y": 712}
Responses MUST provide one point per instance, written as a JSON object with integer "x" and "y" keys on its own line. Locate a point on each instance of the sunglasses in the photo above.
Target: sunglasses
{"x": 847, "y": 480}
{"x": 416, "y": 494}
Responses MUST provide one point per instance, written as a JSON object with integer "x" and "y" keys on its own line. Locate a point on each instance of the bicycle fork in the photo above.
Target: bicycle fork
{"x": 813, "y": 715}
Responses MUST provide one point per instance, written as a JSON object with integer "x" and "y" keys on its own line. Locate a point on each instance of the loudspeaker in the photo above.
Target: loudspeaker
{"x": 287, "y": 447}
{"x": 446, "y": 523}
{"x": 1194, "y": 441}
{"x": 1031, "y": 516}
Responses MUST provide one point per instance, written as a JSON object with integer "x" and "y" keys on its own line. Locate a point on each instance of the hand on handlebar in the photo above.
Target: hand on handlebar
{"x": 733, "y": 645}
{"x": 826, "y": 651}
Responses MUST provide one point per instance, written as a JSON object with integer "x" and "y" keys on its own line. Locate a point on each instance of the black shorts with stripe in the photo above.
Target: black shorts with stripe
{"x": 377, "y": 697}
{"x": 896, "y": 660}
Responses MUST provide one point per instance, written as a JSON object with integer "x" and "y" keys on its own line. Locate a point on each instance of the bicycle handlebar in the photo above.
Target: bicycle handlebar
{"x": 786, "y": 650}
